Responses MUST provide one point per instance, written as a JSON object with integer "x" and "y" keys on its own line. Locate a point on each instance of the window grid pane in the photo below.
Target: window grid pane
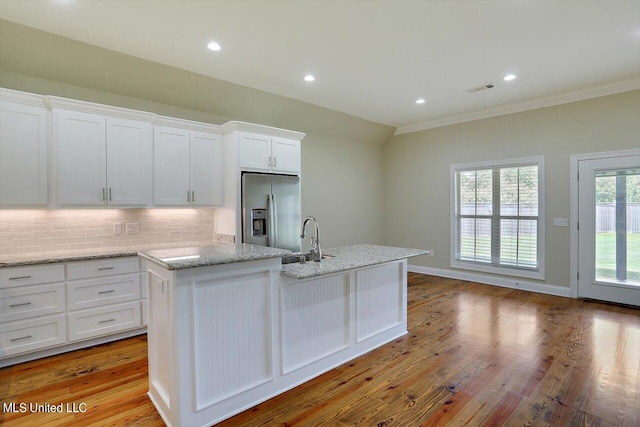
{"x": 515, "y": 241}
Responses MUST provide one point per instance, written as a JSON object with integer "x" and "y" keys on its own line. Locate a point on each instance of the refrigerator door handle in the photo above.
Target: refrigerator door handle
{"x": 270, "y": 219}
{"x": 275, "y": 220}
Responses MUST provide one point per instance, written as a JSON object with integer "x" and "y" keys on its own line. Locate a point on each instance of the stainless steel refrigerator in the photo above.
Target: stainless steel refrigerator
{"x": 271, "y": 210}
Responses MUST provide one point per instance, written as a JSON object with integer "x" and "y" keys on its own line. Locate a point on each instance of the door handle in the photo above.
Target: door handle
{"x": 109, "y": 193}
{"x": 270, "y": 232}
{"x": 193, "y": 196}
{"x": 275, "y": 220}
{"x": 188, "y": 196}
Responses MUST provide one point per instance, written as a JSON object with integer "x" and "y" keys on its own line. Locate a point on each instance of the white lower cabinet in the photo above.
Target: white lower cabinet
{"x": 29, "y": 301}
{"x": 102, "y": 291}
{"x": 49, "y": 309}
{"x": 30, "y": 297}
{"x": 91, "y": 323}
{"x": 32, "y": 334}
{"x": 102, "y": 267}
{"x": 31, "y": 275}
{"x": 103, "y": 301}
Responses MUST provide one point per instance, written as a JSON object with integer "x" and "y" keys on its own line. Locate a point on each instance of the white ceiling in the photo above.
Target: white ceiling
{"x": 373, "y": 59}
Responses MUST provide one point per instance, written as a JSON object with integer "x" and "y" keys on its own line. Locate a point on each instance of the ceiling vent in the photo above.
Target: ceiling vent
{"x": 480, "y": 88}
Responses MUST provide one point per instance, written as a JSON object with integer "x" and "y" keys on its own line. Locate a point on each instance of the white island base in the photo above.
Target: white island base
{"x": 224, "y": 338}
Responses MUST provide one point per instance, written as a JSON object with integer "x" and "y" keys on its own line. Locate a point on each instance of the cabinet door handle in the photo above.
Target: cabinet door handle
{"x": 270, "y": 162}
{"x": 193, "y": 196}
{"x": 109, "y": 193}
{"x": 275, "y": 162}
{"x": 107, "y": 321}
{"x": 22, "y": 304}
{"x": 106, "y": 292}
{"x": 103, "y": 194}
{"x": 19, "y": 277}
{"x": 188, "y": 196}
{"x": 105, "y": 268}
{"x": 26, "y": 337}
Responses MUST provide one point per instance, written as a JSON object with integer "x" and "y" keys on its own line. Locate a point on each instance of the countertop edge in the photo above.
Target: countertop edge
{"x": 66, "y": 259}
{"x": 189, "y": 265}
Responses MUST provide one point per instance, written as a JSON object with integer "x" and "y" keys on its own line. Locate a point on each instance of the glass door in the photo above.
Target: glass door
{"x": 609, "y": 229}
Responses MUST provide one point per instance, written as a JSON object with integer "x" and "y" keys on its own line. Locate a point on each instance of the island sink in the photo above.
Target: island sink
{"x": 301, "y": 258}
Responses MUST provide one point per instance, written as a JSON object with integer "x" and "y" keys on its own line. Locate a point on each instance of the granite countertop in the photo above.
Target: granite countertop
{"x": 88, "y": 254}
{"x": 220, "y": 253}
{"x": 176, "y": 256}
{"x": 348, "y": 258}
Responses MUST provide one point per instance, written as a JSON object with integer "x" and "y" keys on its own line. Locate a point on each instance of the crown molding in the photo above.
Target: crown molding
{"x": 612, "y": 89}
{"x": 185, "y": 124}
{"x": 53, "y": 102}
{"x": 19, "y": 97}
{"x": 261, "y": 129}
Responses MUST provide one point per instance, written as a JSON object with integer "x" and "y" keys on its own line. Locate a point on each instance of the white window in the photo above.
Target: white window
{"x": 497, "y": 217}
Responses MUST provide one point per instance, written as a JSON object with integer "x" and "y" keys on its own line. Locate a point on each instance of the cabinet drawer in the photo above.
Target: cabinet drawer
{"x": 28, "y": 301}
{"x": 102, "y": 291}
{"x": 104, "y": 320}
{"x": 103, "y": 267}
{"x": 33, "y": 334}
{"x": 31, "y": 275}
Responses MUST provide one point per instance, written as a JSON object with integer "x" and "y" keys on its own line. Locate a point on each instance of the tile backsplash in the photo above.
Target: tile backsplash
{"x": 30, "y": 231}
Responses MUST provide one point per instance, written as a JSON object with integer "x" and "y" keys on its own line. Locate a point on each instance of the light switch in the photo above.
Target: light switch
{"x": 117, "y": 228}
{"x": 132, "y": 228}
{"x": 561, "y": 222}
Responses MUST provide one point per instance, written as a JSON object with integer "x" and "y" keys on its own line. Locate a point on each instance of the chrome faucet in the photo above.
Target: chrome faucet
{"x": 314, "y": 248}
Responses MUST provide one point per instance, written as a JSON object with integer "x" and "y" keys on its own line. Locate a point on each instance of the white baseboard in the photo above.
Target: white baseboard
{"x": 513, "y": 283}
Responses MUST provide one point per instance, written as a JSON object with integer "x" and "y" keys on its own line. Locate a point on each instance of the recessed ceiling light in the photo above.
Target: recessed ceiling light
{"x": 420, "y": 101}
{"x": 509, "y": 77}
{"x": 309, "y": 78}
{"x": 214, "y": 46}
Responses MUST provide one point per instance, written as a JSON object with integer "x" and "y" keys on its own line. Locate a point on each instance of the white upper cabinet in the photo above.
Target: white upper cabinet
{"x": 285, "y": 155}
{"x": 101, "y": 160}
{"x": 268, "y": 154}
{"x": 206, "y": 168}
{"x": 171, "y": 166}
{"x": 187, "y": 167}
{"x": 254, "y": 152}
{"x": 80, "y": 158}
{"x": 23, "y": 154}
{"x": 128, "y": 162}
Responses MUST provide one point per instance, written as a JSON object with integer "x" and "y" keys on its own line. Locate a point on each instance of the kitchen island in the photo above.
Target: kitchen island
{"x": 230, "y": 326}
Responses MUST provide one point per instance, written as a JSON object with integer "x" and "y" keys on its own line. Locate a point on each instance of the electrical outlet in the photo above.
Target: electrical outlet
{"x": 117, "y": 228}
{"x": 132, "y": 228}
{"x": 430, "y": 252}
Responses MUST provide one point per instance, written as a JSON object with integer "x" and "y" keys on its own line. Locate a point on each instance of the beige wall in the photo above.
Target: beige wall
{"x": 341, "y": 154}
{"x": 417, "y": 168}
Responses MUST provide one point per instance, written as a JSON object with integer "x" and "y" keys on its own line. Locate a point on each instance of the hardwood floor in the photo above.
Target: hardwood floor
{"x": 475, "y": 355}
